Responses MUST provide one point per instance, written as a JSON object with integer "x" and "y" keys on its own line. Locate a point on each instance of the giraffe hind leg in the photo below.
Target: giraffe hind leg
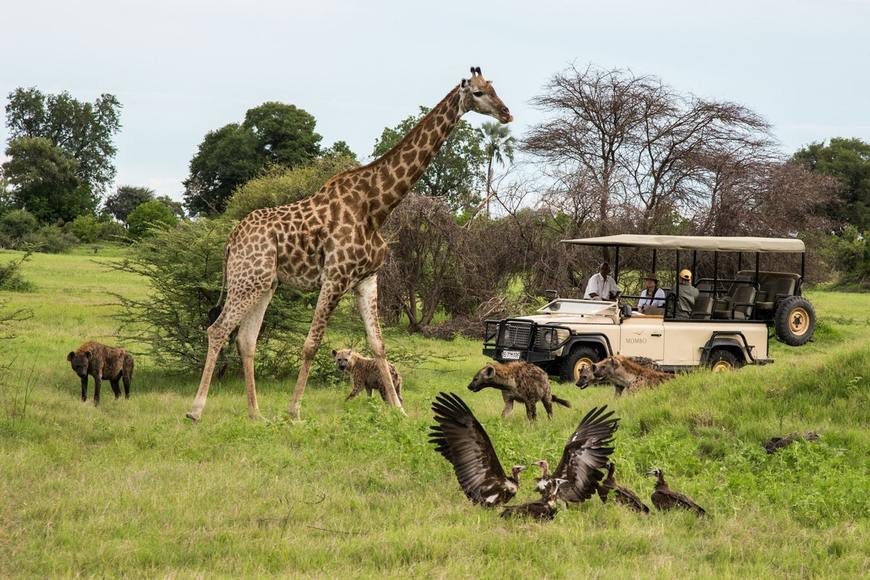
{"x": 246, "y": 341}
{"x": 367, "y": 304}
{"x": 238, "y": 303}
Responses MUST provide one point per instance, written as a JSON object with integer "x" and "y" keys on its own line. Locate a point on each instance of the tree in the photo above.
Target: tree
{"x": 226, "y": 159}
{"x": 176, "y": 207}
{"x": 44, "y": 181}
{"x": 455, "y": 173}
{"x": 339, "y": 149}
{"x": 148, "y": 216}
{"x": 848, "y": 160}
{"x": 635, "y": 144}
{"x": 273, "y": 133}
{"x": 285, "y": 134}
{"x": 498, "y": 144}
{"x": 125, "y": 199}
{"x": 83, "y": 131}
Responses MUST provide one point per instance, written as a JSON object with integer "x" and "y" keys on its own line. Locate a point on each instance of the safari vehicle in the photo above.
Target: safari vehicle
{"x": 727, "y": 328}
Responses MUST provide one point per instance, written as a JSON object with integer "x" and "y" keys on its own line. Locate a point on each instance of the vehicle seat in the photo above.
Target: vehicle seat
{"x": 703, "y": 309}
{"x": 773, "y": 290}
{"x": 741, "y": 303}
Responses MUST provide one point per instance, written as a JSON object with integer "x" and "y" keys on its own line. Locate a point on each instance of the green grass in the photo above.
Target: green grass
{"x": 354, "y": 489}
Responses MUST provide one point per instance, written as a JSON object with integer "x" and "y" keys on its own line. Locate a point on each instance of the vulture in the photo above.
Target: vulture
{"x": 543, "y": 509}
{"x": 664, "y": 498}
{"x": 462, "y": 440}
{"x": 584, "y": 456}
{"x": 623, "y": 495}
{"x": 776, "y": 443}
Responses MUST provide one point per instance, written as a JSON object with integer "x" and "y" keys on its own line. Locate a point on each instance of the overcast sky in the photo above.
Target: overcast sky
{"x": 184, "y": 67}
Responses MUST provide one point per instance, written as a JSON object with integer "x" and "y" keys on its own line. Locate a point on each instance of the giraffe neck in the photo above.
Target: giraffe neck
{"x": 401, "y": 167}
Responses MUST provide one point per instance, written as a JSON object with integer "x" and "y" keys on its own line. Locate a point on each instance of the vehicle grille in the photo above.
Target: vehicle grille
{"x": 515, "y": 335}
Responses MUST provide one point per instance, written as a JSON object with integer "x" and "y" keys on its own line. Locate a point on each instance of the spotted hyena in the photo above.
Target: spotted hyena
{"x": 364, "y": 373}
{"x": 103, "y": 363}
{"x": 518, "y": 381}
{"x": 623, "y": 373}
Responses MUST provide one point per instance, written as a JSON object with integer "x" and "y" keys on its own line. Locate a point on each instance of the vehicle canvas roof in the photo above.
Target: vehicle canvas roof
{"x": 705, "y": 243}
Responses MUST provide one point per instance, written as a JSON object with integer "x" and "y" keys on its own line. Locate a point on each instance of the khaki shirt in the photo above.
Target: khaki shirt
{"x": 686, "y": 300}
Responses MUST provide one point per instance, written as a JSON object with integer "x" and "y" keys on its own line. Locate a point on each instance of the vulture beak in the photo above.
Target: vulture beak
{"x": 653, "y": 473}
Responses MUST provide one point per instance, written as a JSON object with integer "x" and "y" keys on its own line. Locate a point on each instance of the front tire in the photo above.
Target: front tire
{"x": 722, "y": 361}
{"x": 571, "y": 365}
{"x": 795, "y": 321}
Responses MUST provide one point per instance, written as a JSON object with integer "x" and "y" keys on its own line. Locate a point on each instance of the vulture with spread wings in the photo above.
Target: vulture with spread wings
{"x": 463, "y": 441}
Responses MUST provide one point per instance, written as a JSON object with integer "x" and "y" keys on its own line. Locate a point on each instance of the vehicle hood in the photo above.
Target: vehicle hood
{"x": 567, "y": 319}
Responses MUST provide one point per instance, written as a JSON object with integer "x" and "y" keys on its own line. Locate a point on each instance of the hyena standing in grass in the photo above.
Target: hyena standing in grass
{"x": 103, "y": 363}
{"x": 365, "y": 374}
{"x": 518, "y": 381}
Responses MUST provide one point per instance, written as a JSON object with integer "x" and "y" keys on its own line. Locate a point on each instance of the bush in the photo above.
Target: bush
{"x": 49, "y": 239}
{"x": 86, "y": 228}
{"x": 14, "y": 226}
{"x": 850, "y": 252}
{"x": 149, "y": 217}
{"x": 10, "y": 276}
{"x": 184, "y": 266}
{"x": 279, "y": 185}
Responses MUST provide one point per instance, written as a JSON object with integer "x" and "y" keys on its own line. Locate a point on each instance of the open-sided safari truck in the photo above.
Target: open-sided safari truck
{"x": 727, "y": 327}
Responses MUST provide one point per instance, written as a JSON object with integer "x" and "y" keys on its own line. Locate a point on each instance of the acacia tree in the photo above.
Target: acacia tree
{"x": 633, "y": 143}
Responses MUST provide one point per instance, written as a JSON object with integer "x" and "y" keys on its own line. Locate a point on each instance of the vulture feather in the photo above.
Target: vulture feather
{"x": 623, "y": 495}
{"x": 664, "y": 498}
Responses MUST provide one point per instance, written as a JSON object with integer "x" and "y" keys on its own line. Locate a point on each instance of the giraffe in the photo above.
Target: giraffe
{"x": 330, "y": 240}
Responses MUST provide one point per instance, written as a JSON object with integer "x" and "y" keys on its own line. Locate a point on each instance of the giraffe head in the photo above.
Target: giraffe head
{"x": 479, "y": 96}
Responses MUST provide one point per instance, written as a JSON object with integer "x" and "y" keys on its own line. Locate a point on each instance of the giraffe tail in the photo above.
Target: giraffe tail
{"x": 215, "y": 311}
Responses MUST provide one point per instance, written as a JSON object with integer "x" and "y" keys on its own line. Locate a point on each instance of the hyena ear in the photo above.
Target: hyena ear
{"x": 70, "y": 356}
{"x": 488, "y": 371}
{"x": 334, "y": 353}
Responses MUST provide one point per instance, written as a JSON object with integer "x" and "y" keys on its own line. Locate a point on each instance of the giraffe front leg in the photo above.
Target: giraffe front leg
{"x": 367, "y": 303}
{"x": 330, "y": 294}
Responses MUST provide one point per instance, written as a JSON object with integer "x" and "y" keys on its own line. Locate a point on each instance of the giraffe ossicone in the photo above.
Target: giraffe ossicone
{"x": 330, "y": 240}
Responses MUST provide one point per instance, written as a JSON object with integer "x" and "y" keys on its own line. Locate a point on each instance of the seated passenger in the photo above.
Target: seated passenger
{"x": 652, "y": 298}
{"x": 686, "y": 296}
{"x": 602, "y": 286}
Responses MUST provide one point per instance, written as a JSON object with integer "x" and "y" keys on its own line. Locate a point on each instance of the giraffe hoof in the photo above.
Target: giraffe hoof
{"x": 192, "y": 417}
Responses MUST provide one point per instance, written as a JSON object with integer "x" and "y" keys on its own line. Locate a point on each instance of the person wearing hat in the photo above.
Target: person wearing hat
{"x": 652, "y": 296}
{"x": 602, "y": 286}
{"x": 686, "y": 296}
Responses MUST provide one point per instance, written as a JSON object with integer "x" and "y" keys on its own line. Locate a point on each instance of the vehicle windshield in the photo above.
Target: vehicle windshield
{"x": 571, "y": 306}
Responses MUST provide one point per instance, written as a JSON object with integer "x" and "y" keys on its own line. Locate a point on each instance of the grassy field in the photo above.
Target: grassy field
{"x": 354, "y": 489}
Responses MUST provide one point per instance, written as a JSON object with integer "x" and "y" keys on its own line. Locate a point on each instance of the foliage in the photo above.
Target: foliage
{"x": 282, "y": 185}
{"x": 456, "y": 173}
{"x": 148, "y": 217}
{"x": 44, "y": 180}
{"x": 273, "y": 133}
{"x": 848, "y": 160}
{"x": 340, "y": 149}
{"x": 14, "y": 225}
{"x": 498, "y": 145}
{"x": 176, "y": 207}
{"x": 83, "y": 131}
{"x": 184, "y": 266}
{"x": 49, "y": 239}
{"x": 851, "y": 254}
{"x": 89, "y": 229}
{"x": 125, "y": 199}
{"x": 11, "y": 279}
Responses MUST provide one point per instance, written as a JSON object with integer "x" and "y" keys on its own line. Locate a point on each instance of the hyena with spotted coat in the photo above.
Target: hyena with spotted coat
{"x": 365, "y": 374}
{"x": 518, "y": 381}
{"x": 624, "y": 373}
{"x": 104, "y": 363}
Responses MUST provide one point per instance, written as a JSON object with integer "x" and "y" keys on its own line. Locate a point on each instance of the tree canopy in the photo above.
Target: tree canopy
{"x": 150, "y": 215}
{"x": 456, "y": 173}
{"x": 125, "y": 199}
{"x": 847, "y": 160}
{"x": 83, "y": 131}
{"x": 273, "y": 133}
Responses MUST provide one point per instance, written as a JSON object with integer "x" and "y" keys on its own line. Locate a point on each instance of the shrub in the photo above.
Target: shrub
{"x": 149, "y": 217}
{"x": 49, "y": 239}
{"x": 850, "y": 252}
{"x": 10, "y": 276}
{"x": 86, "y": 228}
{"x": 279, "y": 185}
{"x": 15, "y": 224}
{"x": 184, "y": 266}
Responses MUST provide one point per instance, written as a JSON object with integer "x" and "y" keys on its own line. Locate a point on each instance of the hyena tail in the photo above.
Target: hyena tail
{"x": 562, "y": 402}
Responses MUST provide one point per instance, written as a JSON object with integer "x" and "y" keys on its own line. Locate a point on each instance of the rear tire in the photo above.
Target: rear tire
{"x": 571, "y": 365}
{"x": 795, "y": 321}
{"x": 722, "y": 361}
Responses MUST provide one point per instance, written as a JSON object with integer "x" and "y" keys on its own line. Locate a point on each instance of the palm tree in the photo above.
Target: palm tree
{"x": 498, "y": 145}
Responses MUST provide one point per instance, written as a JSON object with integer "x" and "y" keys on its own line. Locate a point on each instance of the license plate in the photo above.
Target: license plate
{"x": 510, "y": 354}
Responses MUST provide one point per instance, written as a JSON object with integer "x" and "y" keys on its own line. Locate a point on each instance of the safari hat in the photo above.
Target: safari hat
{"x": 651, "y": 276}
{"x": 685, "y": 275}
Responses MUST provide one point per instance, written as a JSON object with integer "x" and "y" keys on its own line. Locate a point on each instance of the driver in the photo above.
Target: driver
{"x": 602, "y": 286}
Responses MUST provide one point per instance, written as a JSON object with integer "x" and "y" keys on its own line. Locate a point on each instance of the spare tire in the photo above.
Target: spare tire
{"x": 795, "y": 320}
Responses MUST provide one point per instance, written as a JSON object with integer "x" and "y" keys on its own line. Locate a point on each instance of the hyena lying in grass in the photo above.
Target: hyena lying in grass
{"x": 631, "y": 373}
{"x": 364, "y": 373}
{"x": 518, "y": 381}
{"x": 103, "y": 363}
